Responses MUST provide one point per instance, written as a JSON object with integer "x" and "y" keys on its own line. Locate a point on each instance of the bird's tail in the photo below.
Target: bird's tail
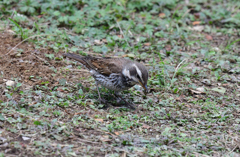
{"x": 78, "y": 58}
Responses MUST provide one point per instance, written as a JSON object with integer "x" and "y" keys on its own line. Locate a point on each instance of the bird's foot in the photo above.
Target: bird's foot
{"x": 129, "y": 105}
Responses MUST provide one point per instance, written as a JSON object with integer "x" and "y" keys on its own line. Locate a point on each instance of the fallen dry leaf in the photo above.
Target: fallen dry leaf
{"x": 98, "y": 42}
{"x": 116, "y": 133}
{"x": 104, "y": 40}
{"x": 225, "y": 85}
{"x": 197, "y": 15}
{"x": 10, "y": 83}
{"x": 196, "y": 23}
{"x": 197, "y": 28}
{"x": 201, "y": 89}
{"x": 99, "y": 120}
{"x": 55, "y": 84}
{"x": 168, "y": 47}
{"x": 105, "y": 138}
{"x": 124, "y": 154}
{"x": 208, "y": 37}
{"x": 32, "y": 104}
{"x": 120, "y": 36}
{"x": 145, "y": 126}
{"x": 219, "y": 90}
{"x": 147, "y": 44}
{"x": 60, "y": 90}
{"x": 197, "y": 91}
{"x": 11, "y": 31}
{"x": 162, "y": 15}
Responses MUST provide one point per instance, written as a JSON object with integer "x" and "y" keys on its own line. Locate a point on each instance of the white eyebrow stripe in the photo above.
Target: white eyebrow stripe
{"x": 139, "y": 72}
{"x": 126, "y": 73}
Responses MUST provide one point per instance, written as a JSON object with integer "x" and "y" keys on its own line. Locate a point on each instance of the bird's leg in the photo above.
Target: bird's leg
{"x": 99, "y": 96}
{"x": 128, "y": 104}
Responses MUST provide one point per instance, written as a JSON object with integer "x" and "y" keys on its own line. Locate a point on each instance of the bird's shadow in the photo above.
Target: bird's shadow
{"x": 110, "y": 99}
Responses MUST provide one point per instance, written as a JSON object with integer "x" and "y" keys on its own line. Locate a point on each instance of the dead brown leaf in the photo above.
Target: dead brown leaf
{"x": 208, "y": 37}
{"x": 32, "y": 103}
{"x": 116, "y": 133}
{"x": 225, "y": 85}
{"x": 168, "y": 47}
{"x": 60, "y": 90}
{"x": 105, "y": 138}
{"x": 145, "y": 126}
{"x": 104, "y": 40}
{"x": 196, "y": 23}
{"x": 197, "y": 15}
{"x": 147, "y": 44}
{"x": 120, "y": 36}
{"x": 197, "y": 91}
{"x": 99, "y": 120}
{"x": 162, "y": 15}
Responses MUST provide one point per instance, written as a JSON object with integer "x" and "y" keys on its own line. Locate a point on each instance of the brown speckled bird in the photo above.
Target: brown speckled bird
{"x": 116, "y": 74}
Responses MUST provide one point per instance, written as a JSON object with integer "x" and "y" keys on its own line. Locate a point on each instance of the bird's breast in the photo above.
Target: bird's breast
{"x": 115, "y": 82}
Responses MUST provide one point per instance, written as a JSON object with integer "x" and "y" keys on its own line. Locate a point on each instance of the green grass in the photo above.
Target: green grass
{"x": 193, "y": 105}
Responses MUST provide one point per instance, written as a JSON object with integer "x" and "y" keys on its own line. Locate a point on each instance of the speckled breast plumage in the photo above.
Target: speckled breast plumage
{"x": 115, "y": 82}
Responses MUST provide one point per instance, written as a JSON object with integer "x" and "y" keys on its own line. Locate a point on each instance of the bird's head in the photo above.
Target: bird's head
{"x": 138, "y": 73}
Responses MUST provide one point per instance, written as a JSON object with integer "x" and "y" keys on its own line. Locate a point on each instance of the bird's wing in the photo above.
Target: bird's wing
{"x": 104, "y": 66}
{"x": 107, "y": 66}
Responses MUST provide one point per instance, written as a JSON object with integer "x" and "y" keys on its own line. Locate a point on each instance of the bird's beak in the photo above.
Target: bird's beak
{"x": 144, "y": 87}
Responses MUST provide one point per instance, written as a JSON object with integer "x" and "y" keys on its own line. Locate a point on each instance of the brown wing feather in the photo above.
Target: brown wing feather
{"x": 105, "y": 66}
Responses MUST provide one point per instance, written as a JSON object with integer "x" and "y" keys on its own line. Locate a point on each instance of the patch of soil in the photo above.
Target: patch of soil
{"x": 30, "y": 66}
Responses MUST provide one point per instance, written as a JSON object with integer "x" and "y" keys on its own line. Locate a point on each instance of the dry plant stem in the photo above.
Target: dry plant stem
{"x": 26, "y": 40}
{"x": 231, "y": 150}
{"x": 186, "y": 13}
{"x": 176, "y": 72}
{"x": 77, "y": 70}
{"x": 41, "y": 59}
{"x": 122, "y": 33}
{"x": 7, "y": 25}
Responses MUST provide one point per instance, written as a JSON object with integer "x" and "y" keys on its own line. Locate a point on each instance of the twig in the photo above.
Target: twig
{"x": 24, "y": 41}
{"x": 231, "y": 151}
{"x": 176, "y": 72}
{"x": 78, "y": 70}
{"x": 41, "y": 59}
{"x": 7, "y": 25}
{"x": 88, "y": 141}
{"x": 122, "y": 33}
{"x": 186, "y": 13}
{"x": 203, "y": 155}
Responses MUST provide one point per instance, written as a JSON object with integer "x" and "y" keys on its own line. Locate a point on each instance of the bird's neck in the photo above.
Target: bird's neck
{"x": 127, "y": 81}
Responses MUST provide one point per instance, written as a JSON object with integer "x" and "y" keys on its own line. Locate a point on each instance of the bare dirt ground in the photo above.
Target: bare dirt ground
{"x": 32, "y": 62}
{"x": 27, "y": 61}
{"x": 24, "y": 64}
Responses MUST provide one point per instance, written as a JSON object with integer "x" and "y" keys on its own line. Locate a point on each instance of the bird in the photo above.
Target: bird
{"x": 116, "y": 74}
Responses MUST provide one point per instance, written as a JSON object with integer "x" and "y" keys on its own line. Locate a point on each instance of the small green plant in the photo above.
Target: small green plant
{"x": 53, "y": 110}
{"x": 22, "y": 34}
